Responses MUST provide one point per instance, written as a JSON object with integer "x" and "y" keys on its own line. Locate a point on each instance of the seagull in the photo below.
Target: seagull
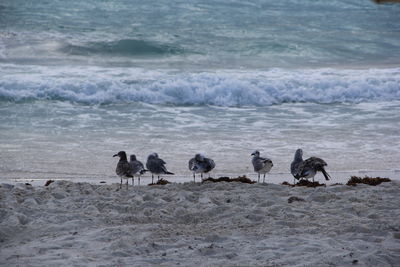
{"x": 307, "y": 168}
{"x": 200, "y": 164}
{"x": 123, "y": 169}
{"x": 156, "y": 166}
{"x": 136, "y": 168}
{"x": 261, "y": 165}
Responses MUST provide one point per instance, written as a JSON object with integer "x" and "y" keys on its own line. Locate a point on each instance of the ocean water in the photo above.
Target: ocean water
{"x": 82, "y": 80}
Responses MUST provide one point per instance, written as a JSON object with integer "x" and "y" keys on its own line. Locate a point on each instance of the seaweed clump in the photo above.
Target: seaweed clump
{"x": 354, "y": 180}
{"x": 305, "y": 183}
{"x": 48, "y": 182}
{"x": 241, "y": 179}
{"x": 161, "y": 182}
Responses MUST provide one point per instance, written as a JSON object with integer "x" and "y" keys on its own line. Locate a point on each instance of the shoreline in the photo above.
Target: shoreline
{"x": 271, "y": 178}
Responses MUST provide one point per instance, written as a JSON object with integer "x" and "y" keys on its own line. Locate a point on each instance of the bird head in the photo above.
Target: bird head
{"x": 298, "y": 154}
{"x": 199, "y": 157}
{"x": 121, "y": 155}
{"x": 255, "y": 153}
{"x": 133, "y": 157}
{"x": 152, "y": 156}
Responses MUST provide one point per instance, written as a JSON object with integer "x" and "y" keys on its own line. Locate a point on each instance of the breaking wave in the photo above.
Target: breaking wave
{"x": 223, "y": 88}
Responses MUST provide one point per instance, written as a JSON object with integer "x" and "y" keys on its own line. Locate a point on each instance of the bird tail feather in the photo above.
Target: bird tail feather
{"x": 326, "y": 175}
{"x": 167, "y": 172}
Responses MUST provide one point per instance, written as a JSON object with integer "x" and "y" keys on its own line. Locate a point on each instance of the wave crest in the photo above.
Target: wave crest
{"x": 221, "y": 89}
{"x": 125, "y": 47}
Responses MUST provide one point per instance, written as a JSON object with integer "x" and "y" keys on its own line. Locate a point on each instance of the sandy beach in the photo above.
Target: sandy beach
{"x": 209, "y": 224}
{"x": 82, "y": 80}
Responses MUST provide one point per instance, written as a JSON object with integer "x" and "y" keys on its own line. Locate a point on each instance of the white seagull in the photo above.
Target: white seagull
{"x": 200, "y": 164}
{"x": 156, "y": 166}
{"x": 137, "y": 168}
{"x": 261, "y": 165}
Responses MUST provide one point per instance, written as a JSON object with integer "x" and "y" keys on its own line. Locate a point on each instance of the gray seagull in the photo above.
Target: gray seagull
{"x": 261, "y": 165}
{"x": 307, "y": 168}
{"x": 200, "y": 164}
{"x": 123, "y": 169}
{"x": 137, "y": 168}
{"x": 156, "y": 166}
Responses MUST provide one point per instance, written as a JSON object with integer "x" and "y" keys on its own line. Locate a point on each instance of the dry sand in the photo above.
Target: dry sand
{"x": 210, "y": 224}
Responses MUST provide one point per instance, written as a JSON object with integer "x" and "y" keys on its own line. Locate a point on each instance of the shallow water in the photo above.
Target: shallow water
{"x": 60, "y": 139}
{"x": 80, "y": 81}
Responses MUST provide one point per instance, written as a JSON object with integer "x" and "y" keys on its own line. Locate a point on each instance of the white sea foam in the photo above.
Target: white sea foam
{"x": 221, "y": 88}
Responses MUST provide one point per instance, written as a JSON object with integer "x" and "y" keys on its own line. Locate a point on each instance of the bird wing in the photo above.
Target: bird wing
{"x": 204, "y": 166}
{"x": 136, "y": 166}
{"x": 133, "y": 167}
{"x": 148, "y": 164}
{"x": 266, "y": 161}
{"x": 161, "y": 164}
{"x": 157, "y": 166}
{"x": 296, "y": 169}
{"x": 210, "y": 164}
{"x": 141, "y": 167}
{"x": 153, "y": 166}
{"x": 258, "y": 163}
{"x": 192, "y": 164}
{"x": 123, "y": 169}
{"x": 309, "y": 165}
{"x": 317, "y": 164}
{"x": 304, "y": 168}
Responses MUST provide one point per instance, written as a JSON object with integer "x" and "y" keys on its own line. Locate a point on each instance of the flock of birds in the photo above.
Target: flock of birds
{"x": 300, "y": 169}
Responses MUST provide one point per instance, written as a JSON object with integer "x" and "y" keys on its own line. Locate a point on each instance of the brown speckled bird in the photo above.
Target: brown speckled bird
{"x": 123, "y": 169}
{"x": 307, "y": 168}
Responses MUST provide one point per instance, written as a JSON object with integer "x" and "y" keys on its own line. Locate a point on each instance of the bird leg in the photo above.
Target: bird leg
{"x": 258, "y": 178}
{"x": 133, "y": 181}
{"x": 139, "y": 180}
{"x": 264, "y": 179}
{"x": 127, "y": 180}
{"x": 201, "y": 175}
{"x": 120, "y": 186}
{"x": 152, "y": 178}
{"x": 194, "y": 177}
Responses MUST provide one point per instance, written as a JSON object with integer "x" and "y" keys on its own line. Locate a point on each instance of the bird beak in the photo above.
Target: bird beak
{"x": 115, "y": 155}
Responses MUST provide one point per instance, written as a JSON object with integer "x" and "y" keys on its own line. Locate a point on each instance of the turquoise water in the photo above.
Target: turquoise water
{"x": 81, "y": 80}
{"x": 201, "y": 34}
